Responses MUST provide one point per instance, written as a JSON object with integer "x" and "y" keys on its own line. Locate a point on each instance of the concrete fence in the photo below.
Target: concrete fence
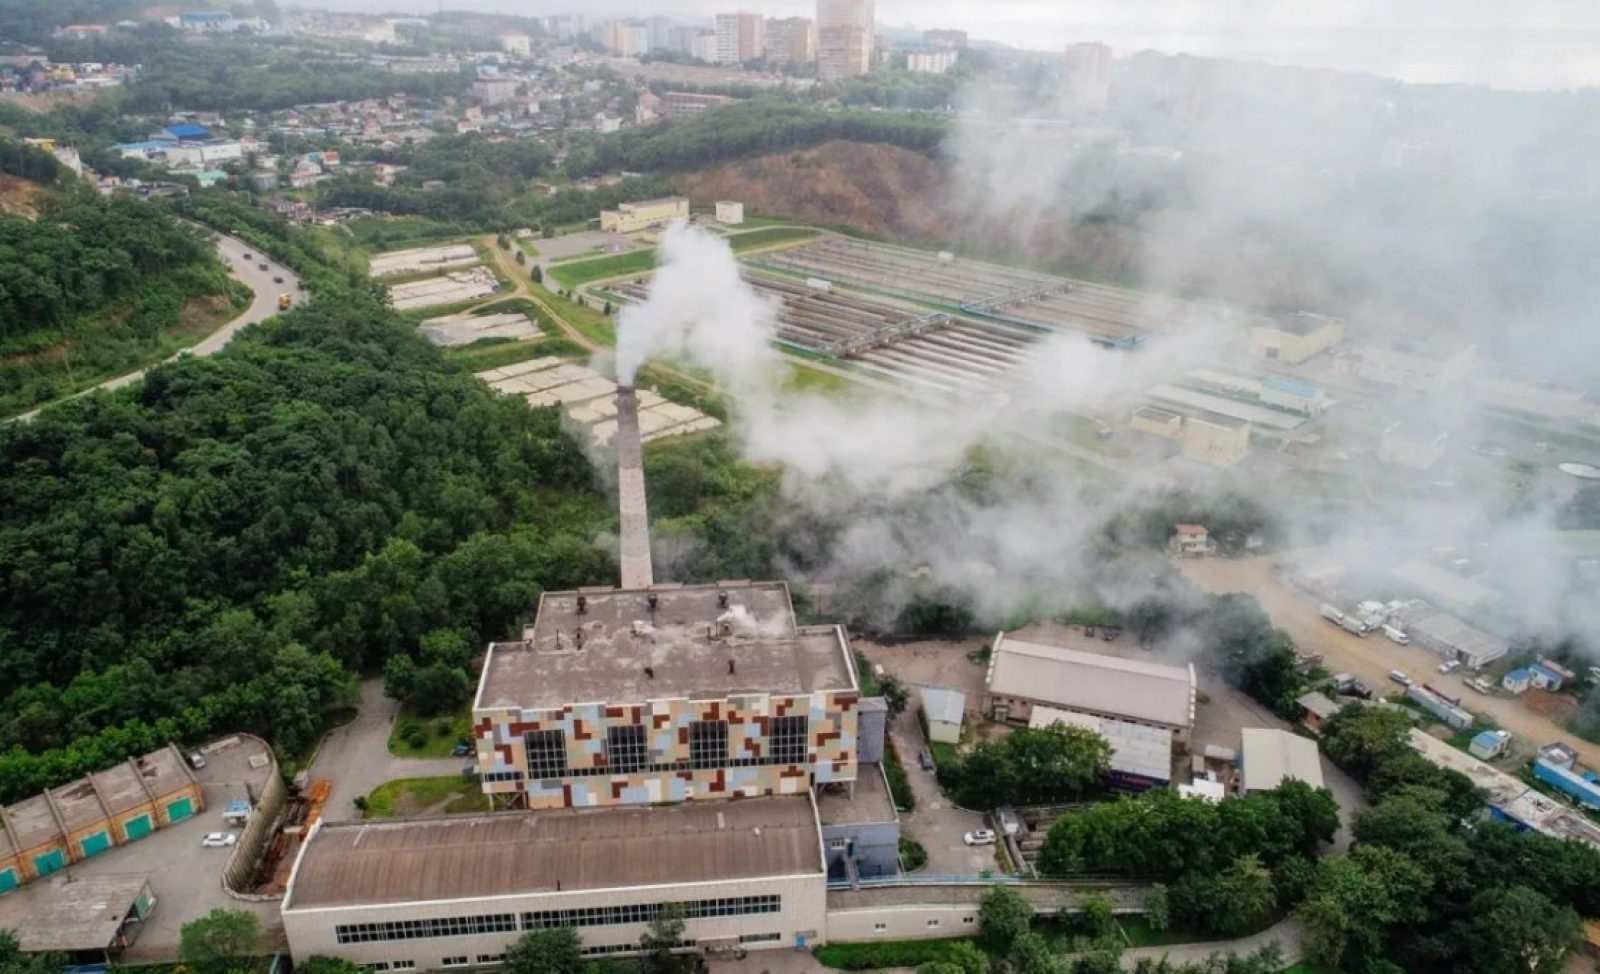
{"x": 252, "y": 844}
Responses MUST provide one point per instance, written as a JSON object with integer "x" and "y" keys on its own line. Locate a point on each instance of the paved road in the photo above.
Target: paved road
{"x": 1373, "y": 657}
{"x": 356, "y": 757}
{"x": 263, "y": 305}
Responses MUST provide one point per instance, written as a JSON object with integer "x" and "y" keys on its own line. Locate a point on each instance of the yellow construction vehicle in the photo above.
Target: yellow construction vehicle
{"x": 284, "y": 301}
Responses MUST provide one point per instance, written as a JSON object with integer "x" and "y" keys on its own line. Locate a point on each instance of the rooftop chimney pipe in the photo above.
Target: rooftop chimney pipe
{"x": 649, "y": 673}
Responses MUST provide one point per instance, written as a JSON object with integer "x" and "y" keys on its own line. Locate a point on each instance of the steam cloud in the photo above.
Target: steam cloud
{"x": 1271, "y": 189}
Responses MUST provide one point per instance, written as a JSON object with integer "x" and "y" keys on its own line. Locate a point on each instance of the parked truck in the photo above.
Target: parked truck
{"x": 1332, "y": 613}
{"x": 1354, "y": 626}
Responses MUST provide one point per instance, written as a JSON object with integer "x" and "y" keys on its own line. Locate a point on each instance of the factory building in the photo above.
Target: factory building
{"x": 1141, "y": 755}
{"x": 436, "y": 893}
{"x": 860, "y": 826}
{"x": 1451, "y": 638}
{"x": 645, "y": 696}
{"x": 1442, "y": 586}
{"x": 126, "y": 802}
{"x": 1215, "y": 439}
{"x": 1271, "y": 757}
{"x": 730, "y": 212}
{"x": 1418, "y": 371}
{"x": 632, "y": 217}
{"x": 1297, "y": 337}
{"x": 1025, "y": 675}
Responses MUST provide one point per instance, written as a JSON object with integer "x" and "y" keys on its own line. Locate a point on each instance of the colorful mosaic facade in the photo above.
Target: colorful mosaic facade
{"x": 596, "y": 758}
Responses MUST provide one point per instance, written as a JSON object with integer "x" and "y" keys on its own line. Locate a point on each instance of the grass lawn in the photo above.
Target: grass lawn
{"x": 803, "y": 378}
{"x": 1307, "y": 967}
{"x": 492, "y": 353}
{"x": 579, "y": 272}
{"x": 943, "y": 753}
{"x": 1141, "y": 934}
{"x": 447, "y": 795}
{"x": 769, "y": 237}
{"x": 590, "y": 323}
{"x": 439, "y": 735}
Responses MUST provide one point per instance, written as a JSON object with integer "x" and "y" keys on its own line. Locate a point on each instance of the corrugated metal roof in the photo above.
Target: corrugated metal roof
{"x": 1137, "y": 749}
{"x": 1292, "y": 386}
{"x": 945, "y": 706}
{"x": 1274, "y": 756}
{"x": 418, "y": 860}
{"x": 1093, "y": 683}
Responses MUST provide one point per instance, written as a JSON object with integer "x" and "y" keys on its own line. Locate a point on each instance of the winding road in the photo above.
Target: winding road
{"x": 266, "y": 284}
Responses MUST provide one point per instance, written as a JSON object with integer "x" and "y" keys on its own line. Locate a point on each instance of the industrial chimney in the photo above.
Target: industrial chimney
{"x": 636, "y": 570}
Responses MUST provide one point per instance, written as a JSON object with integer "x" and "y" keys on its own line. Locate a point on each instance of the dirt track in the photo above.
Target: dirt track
{"x": 1373, "y": 657}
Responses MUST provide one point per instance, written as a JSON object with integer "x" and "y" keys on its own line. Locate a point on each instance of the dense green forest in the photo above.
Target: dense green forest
{"x": 746, "y": 129}
{"x": 96, "y": 285}
{"x": 1429, "y": 886}
{"x": 26, "y": 162}
{"x": 30, "y": 21}
{"x": 224, "y": 546}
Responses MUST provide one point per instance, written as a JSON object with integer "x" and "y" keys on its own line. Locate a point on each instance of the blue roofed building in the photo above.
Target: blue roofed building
{"x": 1489, "y": 745}
{"x": 188, "y": 132}
{"x": 1294, "y": 395}
{"x": 1518, "y": 680}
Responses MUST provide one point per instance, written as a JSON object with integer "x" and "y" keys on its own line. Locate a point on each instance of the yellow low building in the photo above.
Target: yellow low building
{"x": 632, "y": 217}
{"x": 1157, "y": 422}
{"x": 1294, "y": 338}
{"x": 1218, "y": 440}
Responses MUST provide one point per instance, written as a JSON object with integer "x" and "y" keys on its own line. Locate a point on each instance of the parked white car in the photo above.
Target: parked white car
{"x": 1450, "y": 667}
{"x": 218, "y": 840}
{"x": 980, "y": 837}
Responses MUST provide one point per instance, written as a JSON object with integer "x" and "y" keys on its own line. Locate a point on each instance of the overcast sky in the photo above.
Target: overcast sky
{"x": 1506, "y": 43}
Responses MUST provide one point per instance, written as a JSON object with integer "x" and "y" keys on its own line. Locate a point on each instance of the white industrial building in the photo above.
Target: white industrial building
{"x": 1415, "y": 371}
{"x": 1023, "y": 675}
{"x": 730, "y": 212}
{"x": 1451, "y": 638}
{"x": 1141, "y": 755}
{"x": 437, "y": 893}
{"x": 1271, "y": 757}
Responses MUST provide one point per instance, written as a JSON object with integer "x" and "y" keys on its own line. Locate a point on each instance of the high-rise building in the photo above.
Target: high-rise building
{"x": 565, "y": 28}
{"x": 792, "y": 40}
{"x": 844, "y": 38}
{"x": 1086, "y": 77}
{"x": 624, "y": 39}
{"x": 740, "y": 37}
{"x": 660, "y": 33}
{"x": 704, "y": 46}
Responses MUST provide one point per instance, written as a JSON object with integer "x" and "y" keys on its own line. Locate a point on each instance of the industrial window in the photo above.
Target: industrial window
{"x": 838, "y": 843}
{"x": 708, "y": 744}
{"x": 454, "y": 961}
{"x": 969, "y": 919}
{"x": 933, "y": 923}
{"x": 403, "y": 965}
{"x": 601, "y": 916}
{"x": 362, "y": 933}
{"x": 381, "y": 965}
{"x": 503, "y": 776}
{"x": 547, "y": 754}
{"x": 760, "y": 938}
{"x": 879, "y": 927}
{"x": 601, "y": 951}
{"x": 489, "y": 960}
{"x": 787, "y": 740}
{"x": 626, "y": 748}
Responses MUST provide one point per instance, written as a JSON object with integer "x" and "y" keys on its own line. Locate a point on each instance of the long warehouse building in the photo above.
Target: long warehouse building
{"x": 437, "y": 893}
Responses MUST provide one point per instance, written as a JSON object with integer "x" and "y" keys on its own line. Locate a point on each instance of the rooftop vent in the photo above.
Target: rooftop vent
{"x": 583, "y": 604}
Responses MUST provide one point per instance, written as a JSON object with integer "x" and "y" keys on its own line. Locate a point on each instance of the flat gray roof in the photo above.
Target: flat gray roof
{"x": 870, "y": 801}
{"x": 1072, "y": 679}
{"x": 1453, "y": 633}
{"x": 1271, "y": 757}
{"x": 120, "y": 787}
{"x": 78, "y": 804}
{"x": 80, "y": 912}
{"x": 164, "y": 771}
{"x": 600, "y": 655}
{"x": 379, "y": 862}
{"x": 1442, "y": 585}
{"x": 949, "y": 706}
{"x": 33, "y": 823}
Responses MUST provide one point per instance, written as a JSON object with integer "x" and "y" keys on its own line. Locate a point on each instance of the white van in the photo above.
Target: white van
{"x": 1399, "y": 676}
{"x": 1396, "y": 636}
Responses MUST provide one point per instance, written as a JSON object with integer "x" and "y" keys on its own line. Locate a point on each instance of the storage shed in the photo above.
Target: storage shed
{"x": 943, "y": 710}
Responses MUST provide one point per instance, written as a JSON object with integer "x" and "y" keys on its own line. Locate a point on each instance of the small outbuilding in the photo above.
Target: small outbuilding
{"x": 943, "y": 710}
{"x": 1272, "y": 757}
{"x": 1518, "y": 680}
{"x": 89, "y": 919}
{"x": 730, "y": 213}
{"x": 1316, "y": 709}
{"x": 1489, "y": 745}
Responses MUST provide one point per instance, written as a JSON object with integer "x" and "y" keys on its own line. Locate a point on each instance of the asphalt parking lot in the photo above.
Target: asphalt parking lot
{"x": 186, "y": 878}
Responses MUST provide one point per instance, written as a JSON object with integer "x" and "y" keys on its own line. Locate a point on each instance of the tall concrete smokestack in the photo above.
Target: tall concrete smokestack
{"x": 636, "y": 570}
